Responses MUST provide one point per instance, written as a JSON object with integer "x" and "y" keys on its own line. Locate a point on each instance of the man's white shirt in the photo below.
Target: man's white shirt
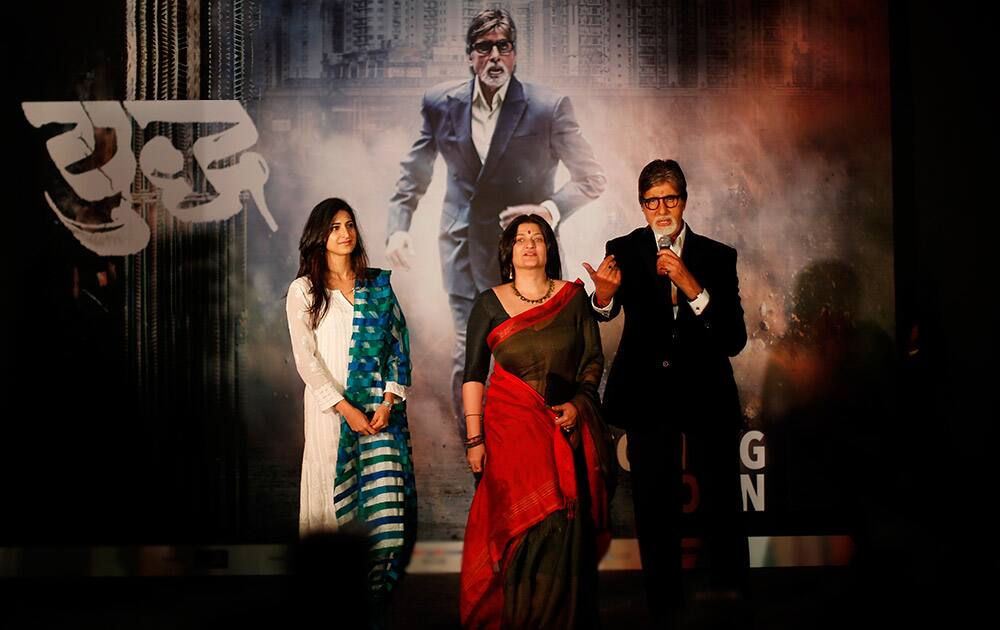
{"x": 484, "y": 123}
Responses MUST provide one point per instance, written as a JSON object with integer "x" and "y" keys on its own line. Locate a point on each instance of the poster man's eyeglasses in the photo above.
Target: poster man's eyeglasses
{"x": 485, "y": 47}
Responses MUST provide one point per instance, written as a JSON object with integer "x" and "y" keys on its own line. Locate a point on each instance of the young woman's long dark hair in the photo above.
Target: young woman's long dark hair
{"x": 312, "y": 253}
{"x": 553, "y": 266}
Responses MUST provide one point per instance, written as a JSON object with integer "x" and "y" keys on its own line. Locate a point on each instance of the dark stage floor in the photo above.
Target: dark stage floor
{"x": 786, "y": 598}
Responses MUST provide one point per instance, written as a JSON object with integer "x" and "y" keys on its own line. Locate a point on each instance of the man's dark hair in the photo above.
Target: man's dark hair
{"x": 487, "y": 20}
{"x": 660, "y": 171}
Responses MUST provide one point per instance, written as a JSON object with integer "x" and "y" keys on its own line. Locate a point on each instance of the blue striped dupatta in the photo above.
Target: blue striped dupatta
{"x": 374, "y": 488}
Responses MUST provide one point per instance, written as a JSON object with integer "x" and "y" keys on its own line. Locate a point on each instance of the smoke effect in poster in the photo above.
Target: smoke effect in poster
{"x": 779, "y": 118}
{"x": 778, "y": 113}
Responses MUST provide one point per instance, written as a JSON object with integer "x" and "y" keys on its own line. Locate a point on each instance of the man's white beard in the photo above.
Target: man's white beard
{"x": 658, "y": 231}
{"x": 494, "y": 82}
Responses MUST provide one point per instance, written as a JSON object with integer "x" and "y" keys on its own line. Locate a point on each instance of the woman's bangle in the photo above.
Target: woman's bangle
{"x": 473, "y": 414}
{"x": 474, "y": 441}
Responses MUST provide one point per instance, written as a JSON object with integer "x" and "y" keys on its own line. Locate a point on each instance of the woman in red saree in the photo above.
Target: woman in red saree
{"x": 539, "y": 521}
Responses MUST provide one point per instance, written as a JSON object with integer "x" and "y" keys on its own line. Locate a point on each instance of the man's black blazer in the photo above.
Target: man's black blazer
{"x": 675, "y": 371}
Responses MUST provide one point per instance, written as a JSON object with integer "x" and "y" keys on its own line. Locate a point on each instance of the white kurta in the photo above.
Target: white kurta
{"x": 321, "y": 358}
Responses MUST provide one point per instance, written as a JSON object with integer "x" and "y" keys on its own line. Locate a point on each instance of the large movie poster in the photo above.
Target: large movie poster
{"x": 175, "y": 158}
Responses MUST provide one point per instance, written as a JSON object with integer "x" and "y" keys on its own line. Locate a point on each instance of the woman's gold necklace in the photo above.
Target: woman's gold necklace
{"x": 547, "y": 295}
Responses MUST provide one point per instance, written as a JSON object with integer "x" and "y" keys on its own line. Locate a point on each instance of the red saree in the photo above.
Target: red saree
{"x": 529, "y": 473}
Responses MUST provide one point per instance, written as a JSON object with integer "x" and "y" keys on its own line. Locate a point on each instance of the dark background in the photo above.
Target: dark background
{"x": 78, "y": 467}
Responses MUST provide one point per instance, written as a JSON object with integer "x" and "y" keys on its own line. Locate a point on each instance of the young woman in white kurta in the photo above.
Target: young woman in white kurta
{"x": 321, "y": 357}
{"x": 352, "y": 350}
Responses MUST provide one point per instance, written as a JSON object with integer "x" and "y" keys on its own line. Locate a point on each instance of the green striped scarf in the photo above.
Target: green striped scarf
{"x": 374, "y": 486}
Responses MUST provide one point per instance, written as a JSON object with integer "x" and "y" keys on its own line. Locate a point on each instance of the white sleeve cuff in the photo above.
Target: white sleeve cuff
{"x": 553, "y": 210}
{"x": 605, "y": 310}
{"x": 699, "y": 302}
{"x": 327, "y": 396}
{"x": 397, "y": 389}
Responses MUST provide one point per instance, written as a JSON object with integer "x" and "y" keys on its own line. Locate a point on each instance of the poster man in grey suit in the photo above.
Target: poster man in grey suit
{"x": 502, "y": 141}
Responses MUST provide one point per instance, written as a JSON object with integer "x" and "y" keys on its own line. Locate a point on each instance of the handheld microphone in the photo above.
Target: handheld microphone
{"x": 664, "y": 242}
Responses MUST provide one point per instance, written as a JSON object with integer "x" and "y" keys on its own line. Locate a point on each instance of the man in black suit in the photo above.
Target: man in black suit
{"x": 502, "y": 141}
{"x": 672, "y": 376}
